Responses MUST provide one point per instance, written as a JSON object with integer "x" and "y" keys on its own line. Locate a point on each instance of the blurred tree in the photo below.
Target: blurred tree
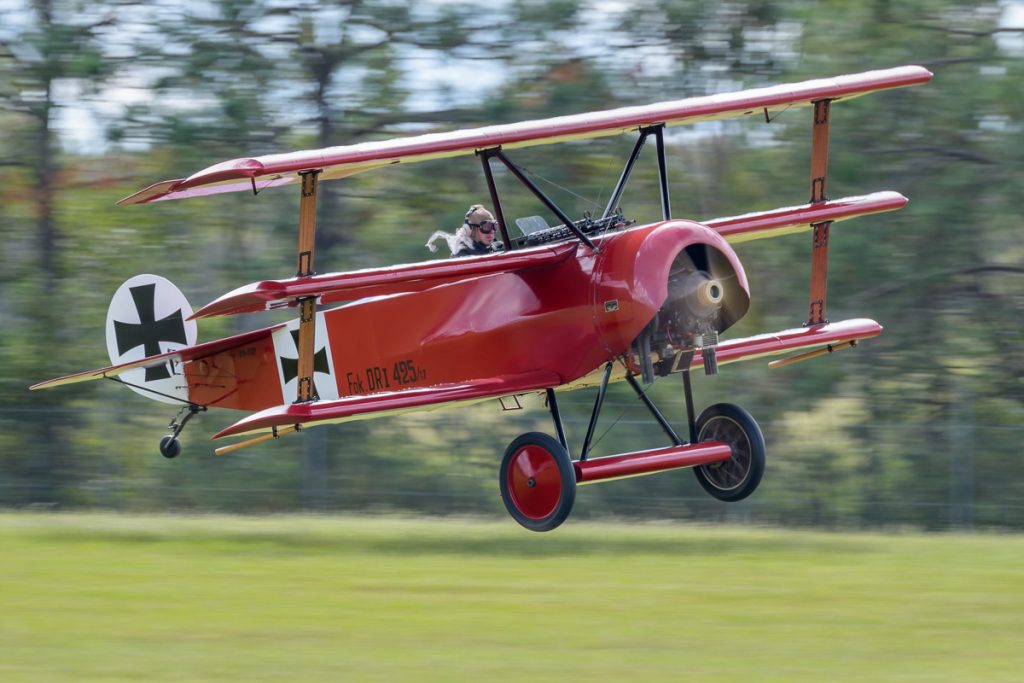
{"x": 53, "y": 61}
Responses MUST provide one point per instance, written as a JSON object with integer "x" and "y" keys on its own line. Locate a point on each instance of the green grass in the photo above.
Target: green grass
{"x": 105, "y": 597}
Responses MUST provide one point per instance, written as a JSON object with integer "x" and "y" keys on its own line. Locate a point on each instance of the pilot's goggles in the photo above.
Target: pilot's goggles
{"x": 486, "y": 227}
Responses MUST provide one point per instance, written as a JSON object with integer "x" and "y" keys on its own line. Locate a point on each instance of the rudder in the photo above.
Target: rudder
{"x": 148, "y": 315}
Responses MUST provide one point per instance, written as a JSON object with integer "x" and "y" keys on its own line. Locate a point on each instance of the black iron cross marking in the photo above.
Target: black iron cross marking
{"x": 149, "y": 332}
{"x": 290, "y": 366}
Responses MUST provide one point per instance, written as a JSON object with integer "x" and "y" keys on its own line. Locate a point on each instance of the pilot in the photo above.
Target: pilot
{"x": 474, "y": 238}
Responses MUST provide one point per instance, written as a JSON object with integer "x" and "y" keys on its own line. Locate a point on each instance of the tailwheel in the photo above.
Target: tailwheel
{"x": 170, "y": 447}
{"x": 736, "y": 478}
{"x": 538, "y": 482}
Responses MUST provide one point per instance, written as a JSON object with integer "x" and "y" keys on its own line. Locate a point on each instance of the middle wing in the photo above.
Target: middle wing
{"x": 335, "y": 287}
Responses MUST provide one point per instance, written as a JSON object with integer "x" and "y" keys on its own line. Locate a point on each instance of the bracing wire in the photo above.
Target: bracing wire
{"x": 152, "y": 391}
{"x": 560, "y": 187}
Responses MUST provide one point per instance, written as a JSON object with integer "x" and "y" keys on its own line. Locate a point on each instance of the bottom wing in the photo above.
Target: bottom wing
{"x": 827, "y": 336}
{"x": 373, "y": 405}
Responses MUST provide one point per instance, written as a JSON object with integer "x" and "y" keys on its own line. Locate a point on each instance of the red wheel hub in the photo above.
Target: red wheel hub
{"x": 534, "y": 481}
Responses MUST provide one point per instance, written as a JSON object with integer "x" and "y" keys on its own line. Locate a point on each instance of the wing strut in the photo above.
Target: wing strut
{"x": 485, "y": 159}
{"x": 666, "y": 207}
{"x": 307, "y": 305}
{"x": 819, "y": 247}
{"x": 537, "y": 192}
{"x": 658, "y": 132}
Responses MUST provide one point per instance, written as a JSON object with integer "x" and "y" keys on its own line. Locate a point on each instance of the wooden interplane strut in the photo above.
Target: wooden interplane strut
{"x": 307, "y": 306}
{"x": 819, "y": 245}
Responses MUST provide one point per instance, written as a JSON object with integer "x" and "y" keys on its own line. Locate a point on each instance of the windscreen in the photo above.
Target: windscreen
{"x": 531, "y": 224}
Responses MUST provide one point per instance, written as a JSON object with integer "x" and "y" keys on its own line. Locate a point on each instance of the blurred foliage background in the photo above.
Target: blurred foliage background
{"x": 918, "y": 428}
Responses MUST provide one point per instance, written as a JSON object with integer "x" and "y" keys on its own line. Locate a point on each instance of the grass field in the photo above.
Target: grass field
{"x": 106, "y": 597}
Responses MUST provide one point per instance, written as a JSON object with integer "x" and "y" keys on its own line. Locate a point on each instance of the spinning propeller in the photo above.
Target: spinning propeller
{"x": 704, "y": 299}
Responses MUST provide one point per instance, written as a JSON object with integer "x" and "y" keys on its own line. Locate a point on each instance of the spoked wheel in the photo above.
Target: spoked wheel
{"x": 538, "y": 483}
{"x": 736, "y": 478}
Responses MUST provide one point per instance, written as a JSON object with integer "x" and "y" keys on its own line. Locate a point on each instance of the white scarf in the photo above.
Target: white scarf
{"x": 460, "y": 240}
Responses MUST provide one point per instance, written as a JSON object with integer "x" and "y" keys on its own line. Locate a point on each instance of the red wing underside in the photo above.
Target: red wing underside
{"x": 258, "y": 173}
{"x": 375, "y": 405}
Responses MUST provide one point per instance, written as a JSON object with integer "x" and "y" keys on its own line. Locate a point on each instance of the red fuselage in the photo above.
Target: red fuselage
{"x": 566, "y": 318}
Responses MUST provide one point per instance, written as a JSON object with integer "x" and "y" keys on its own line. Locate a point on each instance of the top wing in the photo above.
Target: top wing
{"x": 258, "y": 173}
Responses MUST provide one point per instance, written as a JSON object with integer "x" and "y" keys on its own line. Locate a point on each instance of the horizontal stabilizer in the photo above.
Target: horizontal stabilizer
{"x": 335, "y": 287}
{"x": 258, "y": 173}
{"x": 777, "y": 343}
{"x": 793, "y": 219}
{"x": 367, "y": 405}
{"x": 189, "y": 353}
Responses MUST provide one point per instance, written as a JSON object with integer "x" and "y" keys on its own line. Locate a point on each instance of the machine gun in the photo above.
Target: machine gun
{"x": 536, "y": 230}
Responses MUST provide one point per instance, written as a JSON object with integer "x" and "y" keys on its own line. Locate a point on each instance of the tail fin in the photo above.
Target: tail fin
{"x": 149, "y": 316}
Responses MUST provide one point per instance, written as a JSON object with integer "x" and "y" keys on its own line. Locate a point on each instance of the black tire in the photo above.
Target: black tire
{"x": 170, "y": 447}
{"x": 538, "y": 481}
{"x": 736, "y": 478}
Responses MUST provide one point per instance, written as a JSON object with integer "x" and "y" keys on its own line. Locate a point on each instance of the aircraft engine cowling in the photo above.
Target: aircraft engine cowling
{"x": 704, "y": 298}
{"x": 665, "y": 290}
{"x": 686, "y": 286}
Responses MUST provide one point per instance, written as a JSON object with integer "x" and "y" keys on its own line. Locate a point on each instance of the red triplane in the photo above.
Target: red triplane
{"x": 585, "y": 303}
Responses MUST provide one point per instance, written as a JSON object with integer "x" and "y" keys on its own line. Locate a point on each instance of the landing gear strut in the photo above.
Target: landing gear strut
{"x": 170, "y": 446}
{"x": 538, "y": 478}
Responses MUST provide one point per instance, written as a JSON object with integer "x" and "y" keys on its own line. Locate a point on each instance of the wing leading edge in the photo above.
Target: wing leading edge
{"x": 258, "y": 173}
